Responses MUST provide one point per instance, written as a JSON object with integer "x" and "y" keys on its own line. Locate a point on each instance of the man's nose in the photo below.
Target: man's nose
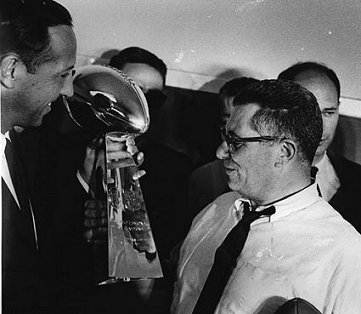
{"x": 222, "y": 151}
{"x": 68, "y": 88}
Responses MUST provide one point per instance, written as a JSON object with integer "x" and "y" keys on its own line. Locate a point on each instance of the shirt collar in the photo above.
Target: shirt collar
{"x": 327, "y": 178}
{"x": 321, "y": 164}
{"x": 287, "y": 206}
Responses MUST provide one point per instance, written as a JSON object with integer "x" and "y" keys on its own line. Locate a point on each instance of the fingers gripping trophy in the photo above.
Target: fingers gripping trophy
{"x": 109, "y": 104}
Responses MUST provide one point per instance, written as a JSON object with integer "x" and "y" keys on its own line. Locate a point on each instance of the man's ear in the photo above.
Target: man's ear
{"x": 10, "y": 66}
{"x": 287, "y": 151}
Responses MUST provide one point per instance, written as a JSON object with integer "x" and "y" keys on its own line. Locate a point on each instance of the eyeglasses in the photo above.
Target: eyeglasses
{"x": 234, "y": 142}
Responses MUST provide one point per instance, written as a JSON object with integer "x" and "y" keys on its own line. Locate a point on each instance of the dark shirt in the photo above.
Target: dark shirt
{"x": 165, "y": 191}
{"x": 347, "y": 200}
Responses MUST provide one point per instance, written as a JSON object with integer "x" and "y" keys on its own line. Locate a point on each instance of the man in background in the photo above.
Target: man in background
{"x": 338, "y": 178}
{"x": 165, "y": 187}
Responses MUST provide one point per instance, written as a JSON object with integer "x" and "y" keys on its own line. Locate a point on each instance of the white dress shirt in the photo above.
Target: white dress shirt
{"x": 306, "y": 249}
{"x": 326, "y": 178}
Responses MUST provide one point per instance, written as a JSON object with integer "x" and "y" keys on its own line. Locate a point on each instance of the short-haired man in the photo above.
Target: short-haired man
{"x": 305, "y": 249}
{"x": 38, "y": 52}
{"x": 139, "y": 60}
{"x": 338, "y": 178}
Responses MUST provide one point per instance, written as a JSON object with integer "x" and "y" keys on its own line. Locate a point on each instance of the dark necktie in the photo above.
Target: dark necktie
{"x": 225, "y": 260}
{"x": 314, "y": 171}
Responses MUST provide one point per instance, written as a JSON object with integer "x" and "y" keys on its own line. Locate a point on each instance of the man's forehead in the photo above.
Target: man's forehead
{"x": 144, "y": 75}
{"x": 321, "y": 86}
{"x": 309, "y": 79}
{"x": 63, "y": 43}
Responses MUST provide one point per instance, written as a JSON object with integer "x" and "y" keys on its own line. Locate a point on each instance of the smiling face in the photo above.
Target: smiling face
{"x": 250, "y": 169}
{"x": 326, "y": 94}
{"x": 34, "y": 92}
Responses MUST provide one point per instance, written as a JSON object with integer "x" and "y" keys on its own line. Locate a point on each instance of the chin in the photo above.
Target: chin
{"x": 232, "y": 186}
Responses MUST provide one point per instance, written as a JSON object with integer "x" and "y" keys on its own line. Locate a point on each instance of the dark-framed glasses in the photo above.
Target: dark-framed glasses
{"x": 235, "y": 142}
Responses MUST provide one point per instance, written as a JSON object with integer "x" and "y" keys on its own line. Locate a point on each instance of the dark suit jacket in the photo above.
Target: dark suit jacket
{"x": 165, "y": 193}
{"x": 51, "y": 161}
{"x": 23, "y": 287}
{"x": 347, "y": 200}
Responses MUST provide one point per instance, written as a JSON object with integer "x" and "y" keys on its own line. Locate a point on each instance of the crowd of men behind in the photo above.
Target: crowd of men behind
{"x": 276, "y": 218}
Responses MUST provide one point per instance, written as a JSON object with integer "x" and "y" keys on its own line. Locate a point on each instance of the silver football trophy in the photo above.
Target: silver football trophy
{"x": 109, "y": 104}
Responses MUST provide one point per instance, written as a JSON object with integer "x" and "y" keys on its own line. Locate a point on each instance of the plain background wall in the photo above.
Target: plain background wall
{"x": 207, "y": 42}
{"x": 212, "y": 38}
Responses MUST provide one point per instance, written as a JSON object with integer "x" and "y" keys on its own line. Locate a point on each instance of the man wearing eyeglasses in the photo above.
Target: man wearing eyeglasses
{"x": 299, "y": 246}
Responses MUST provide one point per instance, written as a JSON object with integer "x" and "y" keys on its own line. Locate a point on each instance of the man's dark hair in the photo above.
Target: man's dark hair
{"x": 287, "y": 110}
{"x": 301, "y": 67}
{"x": 24, "y": 29}
{"x": 230, "y": 89}
{"x": 138, "y": 55}
{"x": 233, "y": 87}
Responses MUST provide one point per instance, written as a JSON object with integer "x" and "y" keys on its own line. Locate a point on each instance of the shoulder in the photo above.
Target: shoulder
{"x": 322, "y": 218}
{"x": 217, "y": 208}
{"x": 347, "y": 255}
{"x": 339, "y": 229}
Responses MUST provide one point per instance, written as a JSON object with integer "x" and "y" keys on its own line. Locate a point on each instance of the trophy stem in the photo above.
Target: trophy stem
{"x": 131, "y": 249}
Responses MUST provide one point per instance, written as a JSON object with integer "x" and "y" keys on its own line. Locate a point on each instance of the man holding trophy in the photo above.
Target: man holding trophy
{"x": 38, "y": 52}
